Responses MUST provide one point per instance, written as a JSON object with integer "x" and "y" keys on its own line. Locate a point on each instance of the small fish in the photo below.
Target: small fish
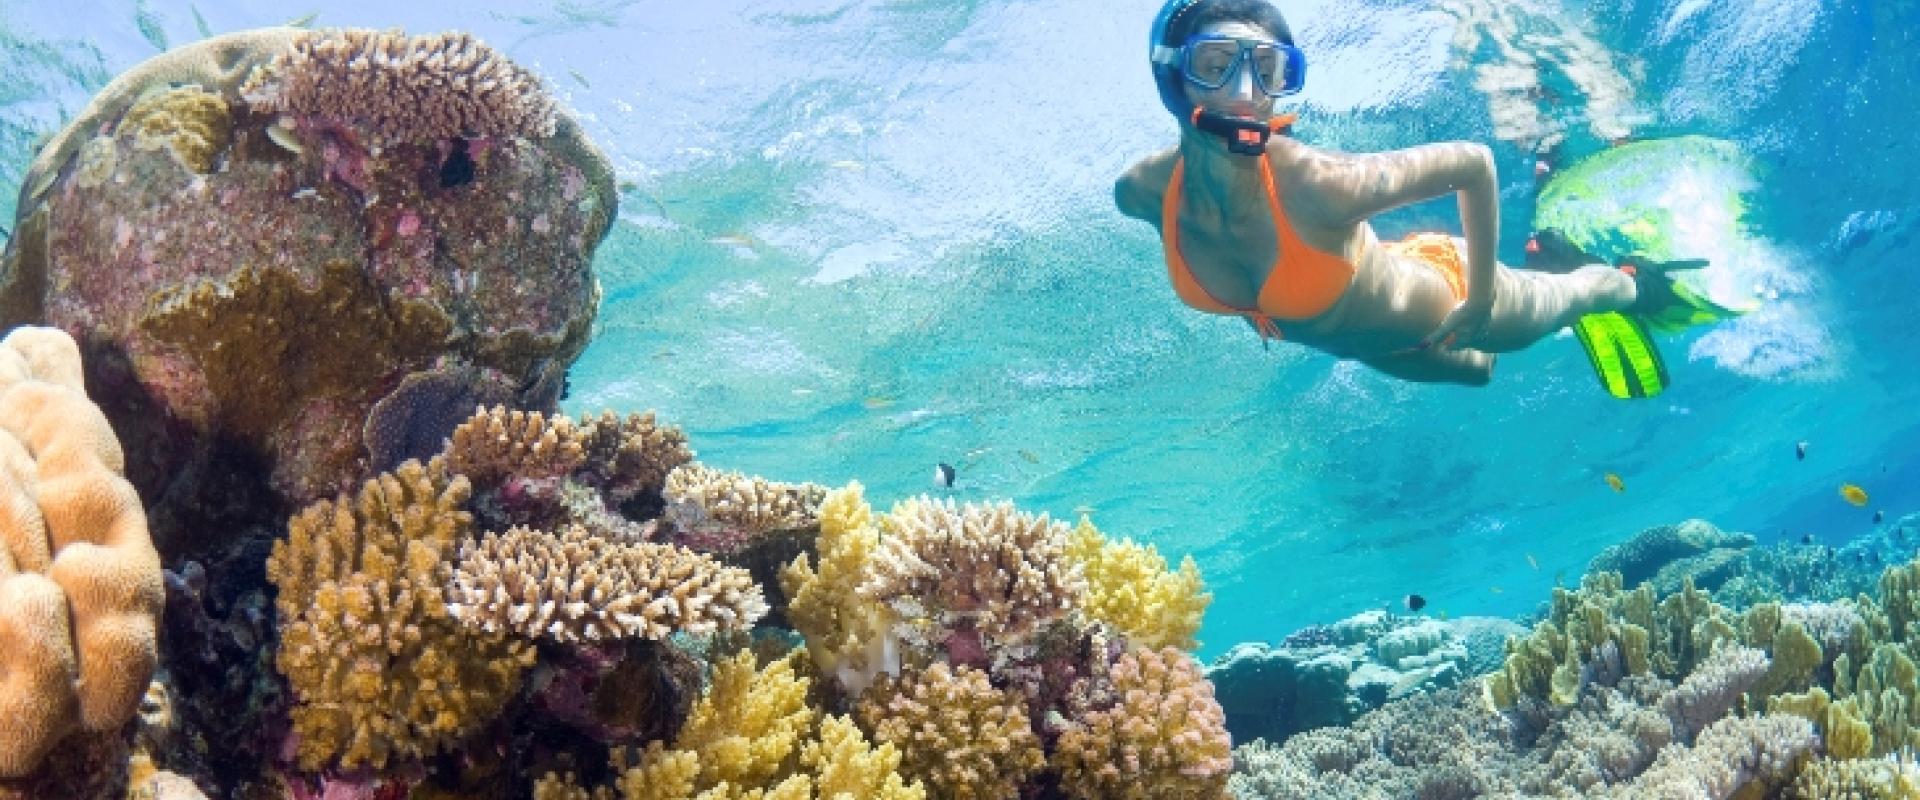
{"x": 1414, "y": 603}
{"x": 1614, "y": 481}
{"x": 1533, "y": 563}
{"x": 1083, "y": 510}
{"x": 877, "y": 402}
{"x": 1029, "y": 456}
{"x": 801, "y": 391}
{"x": 943, "y": 475}
{"x": 850, "y": 166}
{"x": 1853, "y": 494}
{"x": 1800, "y": 451}
{"x": 581, "y": 79}
{"x": 1496, "y": 590}
{"x": 303, "y": 22}
{"x": 1806, "y": 538}
{"x": 1879, "y": 517}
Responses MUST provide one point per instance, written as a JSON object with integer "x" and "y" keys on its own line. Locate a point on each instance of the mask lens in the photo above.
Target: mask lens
{"x": 1210, "y": 63}
{"x": 1269, "y": 67}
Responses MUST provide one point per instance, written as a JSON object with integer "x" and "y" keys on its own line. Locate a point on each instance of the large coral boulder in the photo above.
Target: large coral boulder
{"x": 300, "y": 257}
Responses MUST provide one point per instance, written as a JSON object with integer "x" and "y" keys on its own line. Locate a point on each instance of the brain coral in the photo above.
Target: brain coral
{"x": 80, "y": 584}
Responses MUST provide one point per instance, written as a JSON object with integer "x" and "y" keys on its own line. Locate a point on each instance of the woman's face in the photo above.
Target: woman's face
{"x": 1240, "y": 96}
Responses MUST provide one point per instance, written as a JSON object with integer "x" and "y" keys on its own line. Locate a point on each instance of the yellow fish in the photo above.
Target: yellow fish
{"x": 1853, "y": 494}
{"x": 1615, "y": 482}
{"x": 877, "y": 402}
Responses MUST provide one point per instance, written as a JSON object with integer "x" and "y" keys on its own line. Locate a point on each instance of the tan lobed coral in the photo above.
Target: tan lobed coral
{"x": 402, "y": 88}
{"x": 80, "y": 584}
{"x": 1160, "y": 734}
{"x": 380, "y": 670}
{"x": 497, "y": 442}
{"x": 992, "y": 569}
{"x": 1130, "y": 588}
{"x": 575, "y": 585}
{"x": 849, "y": 637}
{"x": 966, "y": 739}
{"x": 726, "y": 508}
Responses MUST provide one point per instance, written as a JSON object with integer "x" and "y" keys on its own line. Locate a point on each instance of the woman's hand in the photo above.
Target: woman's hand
{"x": 1464, "y": 321}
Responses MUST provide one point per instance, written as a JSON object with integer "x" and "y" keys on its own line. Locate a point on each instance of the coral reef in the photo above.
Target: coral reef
{"x": 1130, "y": 588}
{"x": 850, "y": 638}
{"x": 965, "y": 738}
{"x": 1345, "y": 670}
{"x": 380, "y": 668}
{"x": 723, "y": 511}
{"x": 1665, "y": 555}
{"x": 973, "y": 577}
{"x": 250, "y": 294}
{"x": 400, "y": 89}
{"x": 80, "y": 585}
{"x": 1154, "y": 731}
{"x": 575, "y": 585}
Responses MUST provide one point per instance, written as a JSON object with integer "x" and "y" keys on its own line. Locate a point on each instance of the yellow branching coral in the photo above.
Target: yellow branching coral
{"x": 80, "y": 587}
{"x": 579, "y": 586}
{"x": 744, "y": 734}
{"x": 1130, "y": 588}
{"x": 846, "y": 767}
{"x": 380, "y": 669}
{"x": 404, "y": 89}
{"x": 848, "y": 637}
{"x": 966, "y": 739}
{"x": 635, "y": 453}
{"x": 1158, "y": 734}
{"x": 495, "y": 443}
{"x": 188, "y": 121}
{"x": 700, "y": 495}
{"x": 994, "y": 569}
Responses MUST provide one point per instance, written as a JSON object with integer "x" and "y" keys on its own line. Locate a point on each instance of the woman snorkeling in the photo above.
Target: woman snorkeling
{"x": 1265, "y": 227}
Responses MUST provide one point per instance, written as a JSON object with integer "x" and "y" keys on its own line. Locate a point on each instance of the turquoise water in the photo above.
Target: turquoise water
{"x": 861, "y": 238}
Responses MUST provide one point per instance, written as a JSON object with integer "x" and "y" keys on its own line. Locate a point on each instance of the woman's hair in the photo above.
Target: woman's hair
{"x": 1208, "y": 12}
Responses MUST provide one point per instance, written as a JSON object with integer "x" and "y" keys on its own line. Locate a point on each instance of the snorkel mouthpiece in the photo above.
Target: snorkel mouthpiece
{"x": 1244, "y": 136}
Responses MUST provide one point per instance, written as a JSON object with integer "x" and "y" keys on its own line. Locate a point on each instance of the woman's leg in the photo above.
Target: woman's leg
{"x": 1434, "y": 365}
{"x": 1529, "y": 305}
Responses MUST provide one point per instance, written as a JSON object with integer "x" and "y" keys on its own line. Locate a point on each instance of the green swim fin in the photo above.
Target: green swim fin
{"x": 1668, "y": 305}
{"x": 1623, "y": 354}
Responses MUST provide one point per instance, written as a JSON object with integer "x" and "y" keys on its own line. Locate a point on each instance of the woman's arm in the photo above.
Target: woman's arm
{"x": 1354, "y": 188}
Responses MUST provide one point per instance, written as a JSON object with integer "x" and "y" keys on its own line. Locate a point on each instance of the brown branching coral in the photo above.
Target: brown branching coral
{"x": 1158, "y": 734}
{"x": 631, "y": 454}
{"x": 990, "y": 571}
{"x": 497, "y": 442}
{"x": 578, "y": 586}
{"x": 404, "y": 89}
{"x": 80, "y": 583}
{"x": 964, "y": 738}
{"x": 381, "y": 670}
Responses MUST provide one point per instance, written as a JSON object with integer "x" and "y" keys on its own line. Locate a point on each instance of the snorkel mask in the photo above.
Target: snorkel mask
{"x": 1180, "y": 57}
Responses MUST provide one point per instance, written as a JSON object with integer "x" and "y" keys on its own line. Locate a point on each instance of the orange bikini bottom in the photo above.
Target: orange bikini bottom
{"x": 1439, "y": 251}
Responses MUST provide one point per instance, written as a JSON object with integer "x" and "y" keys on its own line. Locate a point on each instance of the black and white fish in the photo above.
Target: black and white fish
{"x": 943, "y": 475}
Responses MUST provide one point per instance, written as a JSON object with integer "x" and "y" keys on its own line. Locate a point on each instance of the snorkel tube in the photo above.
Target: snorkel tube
{"x": 1171, "y": 28}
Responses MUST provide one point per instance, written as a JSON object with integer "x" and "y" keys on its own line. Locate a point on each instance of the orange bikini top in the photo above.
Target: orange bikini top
{"x": 1303, "y": 283}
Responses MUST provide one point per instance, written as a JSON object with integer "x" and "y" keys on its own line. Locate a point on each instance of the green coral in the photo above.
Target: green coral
{"x": 188, "y": 121}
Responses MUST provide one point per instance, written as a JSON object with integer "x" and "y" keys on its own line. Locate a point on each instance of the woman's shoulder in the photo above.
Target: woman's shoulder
{"x": 1138, "y": 190}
